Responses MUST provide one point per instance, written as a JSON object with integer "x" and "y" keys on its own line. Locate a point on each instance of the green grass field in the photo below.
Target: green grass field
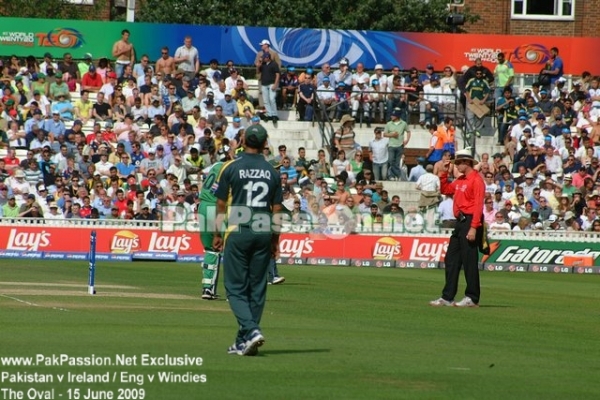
{"x": 332, "y": 333}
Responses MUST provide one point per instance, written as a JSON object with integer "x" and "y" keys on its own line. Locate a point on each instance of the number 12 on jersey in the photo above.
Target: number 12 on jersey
{"x": 256, "y": 192}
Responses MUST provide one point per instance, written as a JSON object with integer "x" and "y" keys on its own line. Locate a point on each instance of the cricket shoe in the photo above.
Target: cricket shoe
{"x": 239, "y": 348}
{"x": 251, "y": 346}
{"x": 441, "y": 303}
{"x": 208, "y": 294}
{"x": 466, "y": 302}
{"x": 277, "y": 280}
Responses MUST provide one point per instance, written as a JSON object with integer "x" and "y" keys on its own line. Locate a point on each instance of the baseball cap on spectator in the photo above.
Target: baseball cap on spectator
{"x": 237, "y": 119}
{"x": 160, "y": 147}
{"x": 527, "y": 129}
{"x": 326, "y": 79}
{"x": 112, "y": 75}
{"x": 47, "y": 55}
{"x": 92, "y": 68}
{"x": 108, "y": 124}
{"x": 552, "y": 218}
{"x": 87, "y": 56}
{"x": 78, "y": 122}
{"x": 528, "y": 175}
{"x": 343, "y": 61}
{"x": 151, "y": 150}
{"x": 145, "y": 205}
{"x": 217, "y": 76}
{"x": 429, "y": 66}
{"x": 541, "y": 116}
{"x": 568, "y": 177}
{"x": 255, "y": 119}
{"x": 368, "y": 192}
{"x": 159, "y": 191}
{"x": 228, "y": 92}
{"x": 36, "y": 92}
{"x": 37, "y": 112}
{"x": 378, "y": 66}
{"x": 498, "y": 191}
{"x": 561, "y": 80}
{"x": 522, "y": 112}
{"x": 397, "y": 112}
{"x": 31, "y": 196}
{"x": 58, "y": 75}
{"x": 265, "y": 41}
{"x": 174, "y": 147}
{"x": 543, "y": 91}
{"x": 522, "y": 118}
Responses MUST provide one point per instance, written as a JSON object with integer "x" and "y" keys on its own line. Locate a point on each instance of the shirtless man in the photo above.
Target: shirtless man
{"x": 124, "y": 53}
{"x": 165, "y": 64}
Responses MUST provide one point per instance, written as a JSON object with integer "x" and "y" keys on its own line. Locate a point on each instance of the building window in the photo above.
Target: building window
{"x": 543, "y": 9}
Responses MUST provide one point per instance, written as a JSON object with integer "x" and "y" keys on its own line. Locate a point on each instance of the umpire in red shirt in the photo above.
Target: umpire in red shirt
{"x": 468, "y": 191}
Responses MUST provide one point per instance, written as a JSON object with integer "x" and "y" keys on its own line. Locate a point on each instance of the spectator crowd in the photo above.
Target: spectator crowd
{"x": 128, "y": 139}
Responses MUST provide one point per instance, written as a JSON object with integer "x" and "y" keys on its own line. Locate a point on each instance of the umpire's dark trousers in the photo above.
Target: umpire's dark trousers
{"x": 462, "y": 253}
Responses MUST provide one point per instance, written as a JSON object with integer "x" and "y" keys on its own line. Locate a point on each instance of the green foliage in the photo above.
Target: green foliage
{"x": 52, "y": 9}
{"x": 399, "y": 15}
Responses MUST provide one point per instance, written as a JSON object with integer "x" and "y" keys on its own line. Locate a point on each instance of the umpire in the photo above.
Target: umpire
{"x": 248, "y": 189}
{"x": 468, "y": 191}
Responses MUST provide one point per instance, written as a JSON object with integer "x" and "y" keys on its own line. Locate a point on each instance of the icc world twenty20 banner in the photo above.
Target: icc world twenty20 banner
{"x": 297, "y": 46}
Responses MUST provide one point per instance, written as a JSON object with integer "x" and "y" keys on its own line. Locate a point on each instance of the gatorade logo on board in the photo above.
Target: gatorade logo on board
{"x": 125, "y": 242}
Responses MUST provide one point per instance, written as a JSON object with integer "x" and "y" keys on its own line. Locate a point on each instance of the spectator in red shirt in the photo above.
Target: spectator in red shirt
{"x": 11, "y": 161}
{"x": 469, "y": 192}
{"x": 91, "y": 80}
{"x": 86, "y": 209}
{"x": 121, "y": 201}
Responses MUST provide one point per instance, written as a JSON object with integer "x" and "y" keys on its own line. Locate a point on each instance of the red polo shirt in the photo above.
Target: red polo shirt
{"x": 469, "y": 192}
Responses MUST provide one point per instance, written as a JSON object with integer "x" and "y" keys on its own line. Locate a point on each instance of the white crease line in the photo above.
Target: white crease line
{"x": 30, "y": 303}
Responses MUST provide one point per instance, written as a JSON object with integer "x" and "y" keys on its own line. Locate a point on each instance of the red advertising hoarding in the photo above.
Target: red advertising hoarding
{"x": 131, "y": 241}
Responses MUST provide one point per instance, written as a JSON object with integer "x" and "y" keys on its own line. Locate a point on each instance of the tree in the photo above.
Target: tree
{"x": 52, "y": 9}
{"x": 380, "y": 15}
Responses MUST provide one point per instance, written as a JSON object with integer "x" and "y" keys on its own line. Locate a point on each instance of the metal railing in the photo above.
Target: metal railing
{"x": 300, "y": 228}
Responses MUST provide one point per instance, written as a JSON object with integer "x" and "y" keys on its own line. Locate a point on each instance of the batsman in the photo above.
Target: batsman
{"x": 207, "y": 211}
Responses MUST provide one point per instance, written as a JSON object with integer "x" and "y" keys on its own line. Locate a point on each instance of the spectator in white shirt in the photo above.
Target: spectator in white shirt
{"x": 379, "y": 155}
{"x": 429, "y": 185}
{"x": 499, "y": 224}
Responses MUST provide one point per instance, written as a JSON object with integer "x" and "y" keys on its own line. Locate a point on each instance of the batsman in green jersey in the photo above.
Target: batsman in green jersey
{"x": 207, "y": 211}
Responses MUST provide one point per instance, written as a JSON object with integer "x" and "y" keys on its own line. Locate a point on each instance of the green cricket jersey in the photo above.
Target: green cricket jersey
{"x": 250, "y": 181}
{"x": 209, "y": 185}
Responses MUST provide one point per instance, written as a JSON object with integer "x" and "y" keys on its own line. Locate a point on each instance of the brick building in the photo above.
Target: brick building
{"x": 576, "y": 18}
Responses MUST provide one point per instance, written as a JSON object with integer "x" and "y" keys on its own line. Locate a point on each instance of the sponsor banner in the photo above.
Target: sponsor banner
{"x": 297, "y": 47}
{"x": 539, "y": 252}
{"x": 295, "y": 248}
{"x": 497, "y": 267}
{"x": 112, "y": 257}
{"x": 190, "y": 259}
{"x": 291, "y": 261}
{"x": 342, "y": 262}
{"x": 555, "y": 269}
{"x": 586, "y": 270}
{"x": 154, "y": 256}
{"x": 374, "y": 263}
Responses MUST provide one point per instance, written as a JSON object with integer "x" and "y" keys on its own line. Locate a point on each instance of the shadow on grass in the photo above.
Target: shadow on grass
{"x": 494, "y": 306}
{"x": 276, "y": 352}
